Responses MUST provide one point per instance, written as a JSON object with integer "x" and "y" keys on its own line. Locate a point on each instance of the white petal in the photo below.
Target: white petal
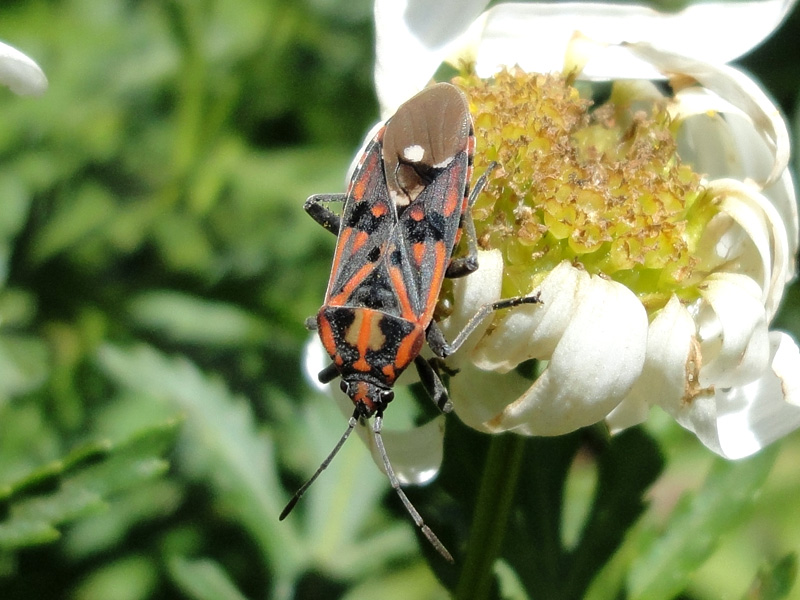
{"x": 785, "y": 363}
{"x": 782, "y": 196}
{"x": 718, "y": 139}
{"x": 534, "y": 331}
{"x": 20, "y": 73}
{"x": 753, "y": 416}
{"x": 314, "y": 360}
{"x": 736, "y": 422}
{"x": 416, "y": 454}
{"x": 412, "y": 38}
{"x": 732, "y": 329}
{"x": 670, "y": 367}
{"x": 537, "y": 36}
{"x": 594, "y": 363}
{"x": 736, "y": 88}
{"x": 479, "y": 395}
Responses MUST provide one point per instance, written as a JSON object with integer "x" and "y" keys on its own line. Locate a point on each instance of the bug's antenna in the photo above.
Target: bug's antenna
{"x": 376, "y": 428}
{"x": 299, "y": 493}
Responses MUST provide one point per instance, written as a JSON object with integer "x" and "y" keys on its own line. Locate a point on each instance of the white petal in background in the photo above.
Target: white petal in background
{"x": 20, "y": 73}
{"x": 416, "y": 453}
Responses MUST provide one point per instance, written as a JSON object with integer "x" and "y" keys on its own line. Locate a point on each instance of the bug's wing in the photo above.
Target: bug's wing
{"x": 427, "y": 233}
{"x": 358, "y": 276}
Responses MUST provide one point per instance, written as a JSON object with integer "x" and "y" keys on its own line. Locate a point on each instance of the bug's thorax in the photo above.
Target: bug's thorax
{"x": 422, "y": 138}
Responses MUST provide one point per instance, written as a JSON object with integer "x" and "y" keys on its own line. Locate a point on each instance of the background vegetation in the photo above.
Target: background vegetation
{"x": 156, "y": 268}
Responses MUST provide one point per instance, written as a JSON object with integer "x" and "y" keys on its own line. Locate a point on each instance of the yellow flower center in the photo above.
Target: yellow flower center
{"x": 603, "y": 188}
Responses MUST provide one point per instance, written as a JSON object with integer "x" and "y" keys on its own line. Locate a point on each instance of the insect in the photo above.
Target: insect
{"x": 405, "y": 210}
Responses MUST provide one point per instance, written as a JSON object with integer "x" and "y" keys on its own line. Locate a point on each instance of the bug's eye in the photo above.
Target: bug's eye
{"x": 344, "y": 386}
{"x": 387, "y": 396}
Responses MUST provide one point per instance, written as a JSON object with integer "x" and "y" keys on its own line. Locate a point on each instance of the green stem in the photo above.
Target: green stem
{"x": 495, "y": 498}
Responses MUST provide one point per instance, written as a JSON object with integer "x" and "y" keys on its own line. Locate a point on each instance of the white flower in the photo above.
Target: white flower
{"x": 20, "y": 73}
{"x": 709, "y": 360}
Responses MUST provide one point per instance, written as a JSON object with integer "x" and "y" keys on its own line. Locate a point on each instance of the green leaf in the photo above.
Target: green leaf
{"x": 130, "y": 578}
{"x": 189, "y": 319}
{"x": 221, "y": 445}
{"x": 627, "y": 467}
{"x": 774, "y": 581}
{"x": 89, "y": 208}
{"x": 662, "y": 569}
{"x": 24, "y": 364}
{"x": 203, "y": 579}
{"x": 35, "y": 506}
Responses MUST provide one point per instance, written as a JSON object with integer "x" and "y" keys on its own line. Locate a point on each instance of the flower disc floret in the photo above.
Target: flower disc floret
{"x": 602, "y": 187}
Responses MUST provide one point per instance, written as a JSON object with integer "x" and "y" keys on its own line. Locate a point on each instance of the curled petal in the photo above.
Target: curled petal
{"x": 479, "y": 395}
{"x": 591, "y": 368}
{"x": 732, "y": 329}
{"x": 670, "y": 371}
{"x": 757, "y": 216}
{"x": 738, "y": 421}
{"x": 20, "y": 73}
{"x": 718, "y": 139}
{"x": 737, "y": 89}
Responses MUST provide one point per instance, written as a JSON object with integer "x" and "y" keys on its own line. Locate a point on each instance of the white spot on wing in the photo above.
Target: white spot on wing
{"x": 398, "y": 198}
{"x": 414, "y": 153}
{"x": 444, "y": 163}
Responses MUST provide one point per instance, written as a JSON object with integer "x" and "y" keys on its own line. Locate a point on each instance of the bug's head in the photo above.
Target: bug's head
{"x": 368, "y": 397}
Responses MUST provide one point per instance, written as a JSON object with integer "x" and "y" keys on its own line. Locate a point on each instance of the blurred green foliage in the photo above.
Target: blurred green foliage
{"x": 156, "y": 268}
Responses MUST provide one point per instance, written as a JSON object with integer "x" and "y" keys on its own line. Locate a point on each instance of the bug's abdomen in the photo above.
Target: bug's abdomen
{"x": 369, "y": 344}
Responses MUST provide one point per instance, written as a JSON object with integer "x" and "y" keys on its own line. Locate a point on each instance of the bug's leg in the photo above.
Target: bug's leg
{"x": 464, "y": 265}
{"x": 324, "y": 216}
{"x": 328, "y": 374}
{"x": 427, "y": 532}
{"x": 443, "y": 349}
{"x": 429, "y": 376}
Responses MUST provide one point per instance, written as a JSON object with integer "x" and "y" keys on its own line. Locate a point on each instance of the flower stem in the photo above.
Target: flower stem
{"x": 495, "y": 498}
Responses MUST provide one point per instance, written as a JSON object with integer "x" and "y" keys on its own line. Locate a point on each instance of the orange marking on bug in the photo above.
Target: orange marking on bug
{"x": 362, "y": 395}
{"x": 344, "y": 235}
{"x": 416, "y": 212}
{"x": 359, "y": 188}
{"x": 340, "y": 298}
{"x": 365, "y": 334}
{"x": 455, "y": 196}
{"x": 389, "y": 373}
{"x": 400, "y": 289}
{"x": 409, "y": 348}
{"x": 360, "y": 239}
{"x": 326, "y": 334}
{"x": 379, "y": 209}
{"x": 419, "y": 250}
{"x": 439, "y": 266}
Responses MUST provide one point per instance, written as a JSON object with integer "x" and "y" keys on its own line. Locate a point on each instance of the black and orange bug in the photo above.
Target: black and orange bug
{"x": 405, "y": 209}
